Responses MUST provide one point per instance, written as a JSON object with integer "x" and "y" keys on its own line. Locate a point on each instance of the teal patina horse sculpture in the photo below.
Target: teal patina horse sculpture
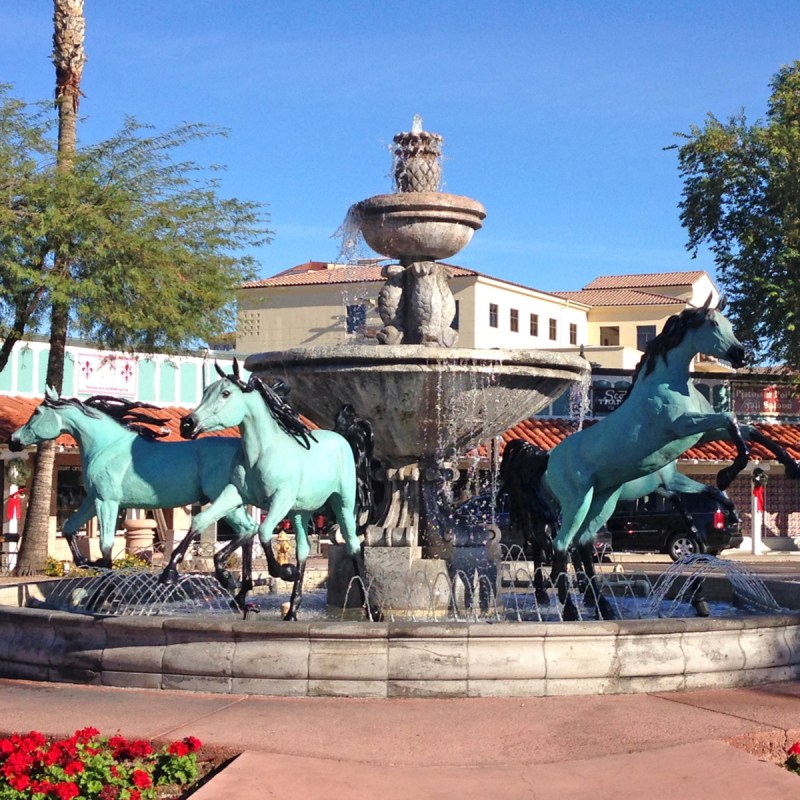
{"x": 538, "y": 519}
{"x": 662, "y": 416}
{"x": 284, "y": 467}
{"x": 123, "y": 467}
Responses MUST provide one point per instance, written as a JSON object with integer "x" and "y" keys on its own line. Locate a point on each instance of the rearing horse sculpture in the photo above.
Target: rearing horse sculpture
{"x": 284, "y": 467}
{"x": 663, "y": 415}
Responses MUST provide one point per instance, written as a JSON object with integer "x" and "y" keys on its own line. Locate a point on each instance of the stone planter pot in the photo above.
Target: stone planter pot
{"x": 139, "y": 535}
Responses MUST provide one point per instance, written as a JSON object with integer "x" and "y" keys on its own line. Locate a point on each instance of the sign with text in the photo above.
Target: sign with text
{"x": 765, "y": 401}
{"x": 105, "y": 373}
{"x": 606, "y": 399}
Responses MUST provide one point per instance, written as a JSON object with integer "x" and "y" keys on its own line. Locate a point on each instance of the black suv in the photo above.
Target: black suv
{"x": 654, "y": 523}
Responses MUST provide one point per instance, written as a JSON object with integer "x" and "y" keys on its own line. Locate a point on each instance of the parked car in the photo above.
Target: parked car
{"x": 654, "y": 523}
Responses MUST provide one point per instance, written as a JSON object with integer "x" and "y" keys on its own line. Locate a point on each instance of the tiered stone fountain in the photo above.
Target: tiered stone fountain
{"x": 428, "y": 401}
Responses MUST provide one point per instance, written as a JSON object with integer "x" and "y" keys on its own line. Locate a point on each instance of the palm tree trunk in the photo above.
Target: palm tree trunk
{"x": 69, "y": 26}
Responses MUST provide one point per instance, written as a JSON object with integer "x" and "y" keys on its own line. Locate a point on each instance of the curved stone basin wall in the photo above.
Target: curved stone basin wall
{"x": 395, "y": 659}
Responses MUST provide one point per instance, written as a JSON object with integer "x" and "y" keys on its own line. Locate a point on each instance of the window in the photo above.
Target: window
{"x": 514, "y": 320}
{"x": 493, "y": 315}
{"x": 609, "y": 337}
{"x": 454, "y": 323}
{"x": 553, "y": 330}
{"x": 644, "y": 334}
{"x": 573, "y": 333}
{"x": 356, "y": 318}
{"x": 534, "y": 324}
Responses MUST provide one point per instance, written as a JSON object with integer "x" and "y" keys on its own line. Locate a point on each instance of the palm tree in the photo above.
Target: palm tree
{"x": 69, "y": 27}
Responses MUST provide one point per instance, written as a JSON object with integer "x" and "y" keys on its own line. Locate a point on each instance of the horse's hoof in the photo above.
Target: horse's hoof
{"x": 701, "y": 607}
{"x": 169, "y": 577}
{"x": 570, "y": 613}
{"x": 604, "y": 609}
{"x": 287, "y": 572}
{"x": 542, "y": 598}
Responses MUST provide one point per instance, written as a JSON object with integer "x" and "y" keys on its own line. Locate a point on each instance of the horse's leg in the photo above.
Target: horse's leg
{"x": 346, "y": 516}
{"x": 245, "y": 529}
{"x": 84, "y": 513}
{"x": 542, "y": 542}
{"x": 228, "y": 500}
{"x": 719, "y": 426}
{"x": 300, "y": 524}
{"x": 107, "y": 511}
{"x": 224, "y": 577}
{"x": 246, "y": 583}
{"x": 574, "y": 512}
{"x": 279, "y": 507}
{"x": 602, "y": 507}
{"x": 752, "y": 434}
{"x": 791, "y": 466}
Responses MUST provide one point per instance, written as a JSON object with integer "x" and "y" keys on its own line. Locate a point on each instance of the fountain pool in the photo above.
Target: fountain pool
{"x": 220, "y": 652}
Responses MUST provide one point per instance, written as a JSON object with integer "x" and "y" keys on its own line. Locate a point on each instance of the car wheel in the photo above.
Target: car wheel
{"x": 681, "y": 545}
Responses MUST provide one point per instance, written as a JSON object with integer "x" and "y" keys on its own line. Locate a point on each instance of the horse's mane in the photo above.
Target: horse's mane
{"x": 670, "y": 337}
{"x": 122, "y": 411}
{"x": 287, "y": 418}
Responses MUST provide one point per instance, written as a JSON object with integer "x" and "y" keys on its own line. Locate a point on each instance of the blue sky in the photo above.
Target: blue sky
{"x": 554, "y": 114}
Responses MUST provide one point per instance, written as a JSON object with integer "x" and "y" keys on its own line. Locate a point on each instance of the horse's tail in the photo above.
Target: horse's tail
{"x": 358, "y": 433}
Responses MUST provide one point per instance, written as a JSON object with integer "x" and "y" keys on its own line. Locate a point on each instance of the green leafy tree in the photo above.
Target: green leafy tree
{"x": 25, "y": 151}
{"x": 741, "y": 199}
{"x": 123, "y": 242}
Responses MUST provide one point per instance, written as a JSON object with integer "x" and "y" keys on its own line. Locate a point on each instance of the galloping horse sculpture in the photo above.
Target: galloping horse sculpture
{"x": 284, "y": 467}
{"x": 662, "y": 416}
{"x": 123, "y": 467}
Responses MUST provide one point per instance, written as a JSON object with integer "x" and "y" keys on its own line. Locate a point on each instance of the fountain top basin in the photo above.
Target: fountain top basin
{"x": 419, "y": 225}
{"x": 424, "y": 402}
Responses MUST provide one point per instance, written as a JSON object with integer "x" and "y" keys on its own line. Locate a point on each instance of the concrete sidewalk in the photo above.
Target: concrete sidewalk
{"x": 709, "y": 744}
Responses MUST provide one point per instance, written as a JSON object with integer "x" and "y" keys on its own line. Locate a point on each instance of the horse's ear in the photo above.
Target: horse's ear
{"x": 220, "y": 371}
{"x": 721, "y": 303}
{"x": 707, "y": 303}
{"x": 50, "y": 393}
{"x": 236, "y": 369}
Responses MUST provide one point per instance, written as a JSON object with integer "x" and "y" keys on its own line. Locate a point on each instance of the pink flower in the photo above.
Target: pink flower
{"x": 794, "y": 750}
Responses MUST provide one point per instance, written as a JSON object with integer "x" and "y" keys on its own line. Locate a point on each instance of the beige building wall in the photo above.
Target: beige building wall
{"x": 280, "y": 317}
{"x": 610, "y": 317}
{"x": 525, "y": 302}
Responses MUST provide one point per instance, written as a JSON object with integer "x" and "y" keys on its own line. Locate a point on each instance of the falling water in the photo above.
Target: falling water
{"x": 579, "y": 399}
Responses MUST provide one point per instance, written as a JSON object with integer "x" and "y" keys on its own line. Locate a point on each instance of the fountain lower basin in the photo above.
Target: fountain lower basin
{"x": 398, "y": 659}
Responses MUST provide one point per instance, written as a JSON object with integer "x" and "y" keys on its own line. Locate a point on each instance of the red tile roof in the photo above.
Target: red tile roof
{"x": 619, "y": 297}
{"x": 319, "y": 272}
{"x": 645, "y": 280}
{"x": 15, "y": 412}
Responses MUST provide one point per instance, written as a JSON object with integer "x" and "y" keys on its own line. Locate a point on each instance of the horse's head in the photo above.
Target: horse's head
{"x": 715, "y": 336}
{"x": 222, "y": 406}
{"x": 44, "y": 424}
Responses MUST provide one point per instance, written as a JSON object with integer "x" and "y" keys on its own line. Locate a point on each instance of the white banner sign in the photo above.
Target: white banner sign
{"x": 105, "y": 373}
